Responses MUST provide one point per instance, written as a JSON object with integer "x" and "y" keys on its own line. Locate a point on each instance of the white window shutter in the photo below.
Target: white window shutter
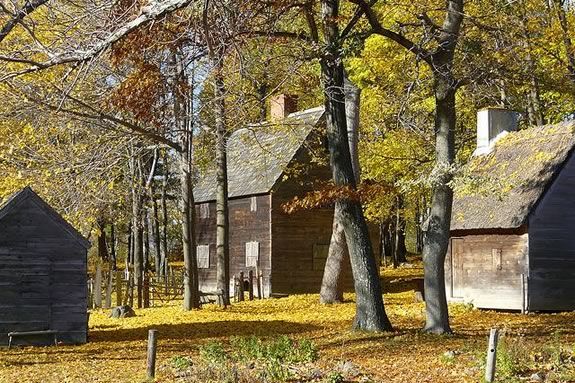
{"x": 203, "y": 256}
{"x": 252, "y": 253}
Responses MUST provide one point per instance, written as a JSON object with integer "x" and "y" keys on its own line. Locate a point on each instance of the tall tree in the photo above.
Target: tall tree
{"x": 440, "y": 60}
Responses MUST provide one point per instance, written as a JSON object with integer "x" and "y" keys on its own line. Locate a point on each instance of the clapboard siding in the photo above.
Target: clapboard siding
{"x": 552, "y": 245}
{"x": 43, "y": 269}
{"x": 245, "y": 226}
{"x": 473, "y": 275}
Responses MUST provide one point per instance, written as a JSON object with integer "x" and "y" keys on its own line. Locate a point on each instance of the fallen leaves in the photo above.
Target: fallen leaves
{"x": 117, "y": 347}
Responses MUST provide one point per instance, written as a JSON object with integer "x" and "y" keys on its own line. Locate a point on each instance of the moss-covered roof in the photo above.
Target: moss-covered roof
{"x": 258, "y": 155}
{"x": 499, "y": 189}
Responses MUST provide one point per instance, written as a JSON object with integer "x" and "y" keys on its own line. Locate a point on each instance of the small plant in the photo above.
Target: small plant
{"x": 181, "y": 362}
{"x": 335, "y": 377}
{"x": 213, "y": 352}
{"x": 306, "y": 351}
{"x": 512, "y": 359}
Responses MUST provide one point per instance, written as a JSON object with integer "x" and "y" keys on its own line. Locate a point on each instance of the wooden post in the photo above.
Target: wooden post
{"x": 491, "y": 355}
{"x": 260, "y": 279}
{"x": 241, "y": 289}
{"x": 258, "y": 282}
{"x": 118, "y": 281}
{"x": 523, "y": 294}
{"x": 151, "y": 362}
{"x": 98, "y": 287}
{"x": 90, "y": 293}
{"x": 236, "y": 288}
{"x": 251, "y": 280}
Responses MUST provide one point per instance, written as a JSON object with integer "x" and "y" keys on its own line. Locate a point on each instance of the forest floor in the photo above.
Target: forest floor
{"x": 539, "y": 344}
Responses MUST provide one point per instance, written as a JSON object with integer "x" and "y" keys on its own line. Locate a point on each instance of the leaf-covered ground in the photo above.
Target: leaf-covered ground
{"x": 117, "y": 348}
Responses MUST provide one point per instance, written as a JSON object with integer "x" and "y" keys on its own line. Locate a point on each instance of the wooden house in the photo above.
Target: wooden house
{"x": 512, "y": 244}
{"x": 43, "y": 274}
{"x": 268, "y": 165}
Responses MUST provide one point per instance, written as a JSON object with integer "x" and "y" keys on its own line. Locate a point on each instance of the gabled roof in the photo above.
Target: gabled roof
{"x": 14, "y": 200}
{"x": 509, "y": 181}
{"x": 259, "y": 154}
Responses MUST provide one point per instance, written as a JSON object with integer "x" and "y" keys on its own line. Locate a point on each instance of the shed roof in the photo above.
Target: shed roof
{"x": 508, "y": 182}
{"x": 259, "y": 154}
{"x": 17, "y": 198}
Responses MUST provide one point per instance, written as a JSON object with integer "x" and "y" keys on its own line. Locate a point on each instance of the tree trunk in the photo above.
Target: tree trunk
{"x": 191, "y": 296}
{"x": 370, "y": 311}
{"x": 155, "y": 225}
{"x": 222, "y": 219}
{"x": 438, "y": 223}
{"x": 567, "y": 43}
{"x": 113, "y": 255}
{"x": 130, "y": 249}
{"x": 400, "y": 250}
{"x": 183, "y": 115}
{"x": 102, "y": 244}
{"x": 164, "y": 207}
{"x": 331, "y": 286}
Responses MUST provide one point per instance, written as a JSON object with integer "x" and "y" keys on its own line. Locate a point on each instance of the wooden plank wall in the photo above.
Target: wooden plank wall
{"x": 295, "y": 235}
{"x": 245, "y": 226}
{"x": 552, "y": 246}
{"x": 43, "y": 273}
{"x": 487, "y": 270}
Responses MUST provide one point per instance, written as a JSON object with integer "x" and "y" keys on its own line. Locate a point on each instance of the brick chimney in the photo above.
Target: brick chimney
{"x": 492, "y": 124}
{"x": 282, "y": 105}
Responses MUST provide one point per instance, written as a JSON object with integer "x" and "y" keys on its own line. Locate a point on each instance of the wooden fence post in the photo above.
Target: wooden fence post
{"x": 90, "y": 293}
{"x": 98, "y": 287}
{"x": 241, "y": 289}
{"x": 151, "y": 361}
{"x": 251, "y": 279}
{"x": 260, "y": 279}
{"x": 491, "y": 355}
{"x": 236, "y": 289}
{"x": 118, "y": 276}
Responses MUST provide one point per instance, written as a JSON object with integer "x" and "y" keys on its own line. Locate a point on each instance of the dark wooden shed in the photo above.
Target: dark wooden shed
{"x": 42, "y": 272}
{"x": 512, "y": 244}
{"x": 268, "y": 165}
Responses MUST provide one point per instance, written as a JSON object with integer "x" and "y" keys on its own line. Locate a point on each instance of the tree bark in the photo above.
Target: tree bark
{"x": 102, "y": 244}
{"x": 567, "y": 42}
{"x": 155, "y": 226}
{"x": 191, "y": 296}
{"x": 370, "y": 311}
{"x": 113, "y": 253}
{"x": 222, "y": 217}
{"x": 164, "y": 207}
{"x": 331, "y": 286}
{"x": 400, "y": 250}
{"x": 436, "y": 237}
{"x": 183, "y": 115}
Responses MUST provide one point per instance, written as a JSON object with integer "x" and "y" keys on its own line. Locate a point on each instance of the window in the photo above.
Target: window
{"x": 252, "y": 254}
{"x": 205, "y": 210}
{"x": 319, "y": 256}
{"x": 254, "y": 204}
{"x": 496, "y": 255}
{"x": 203, "y": 256}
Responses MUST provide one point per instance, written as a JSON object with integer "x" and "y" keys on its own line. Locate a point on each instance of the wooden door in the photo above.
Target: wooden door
{"x": 457, "y": 283}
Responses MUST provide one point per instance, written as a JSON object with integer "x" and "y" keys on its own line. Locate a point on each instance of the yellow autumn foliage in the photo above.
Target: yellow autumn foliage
{"x": 117, "y": 347}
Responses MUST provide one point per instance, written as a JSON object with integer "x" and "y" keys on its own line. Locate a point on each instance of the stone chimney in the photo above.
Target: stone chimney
{"x": 282, "y": 105}
{"x": 492, "y": 124}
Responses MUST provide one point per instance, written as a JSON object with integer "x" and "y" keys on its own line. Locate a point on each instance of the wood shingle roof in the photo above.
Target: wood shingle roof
{"x": 258, "y": 155}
